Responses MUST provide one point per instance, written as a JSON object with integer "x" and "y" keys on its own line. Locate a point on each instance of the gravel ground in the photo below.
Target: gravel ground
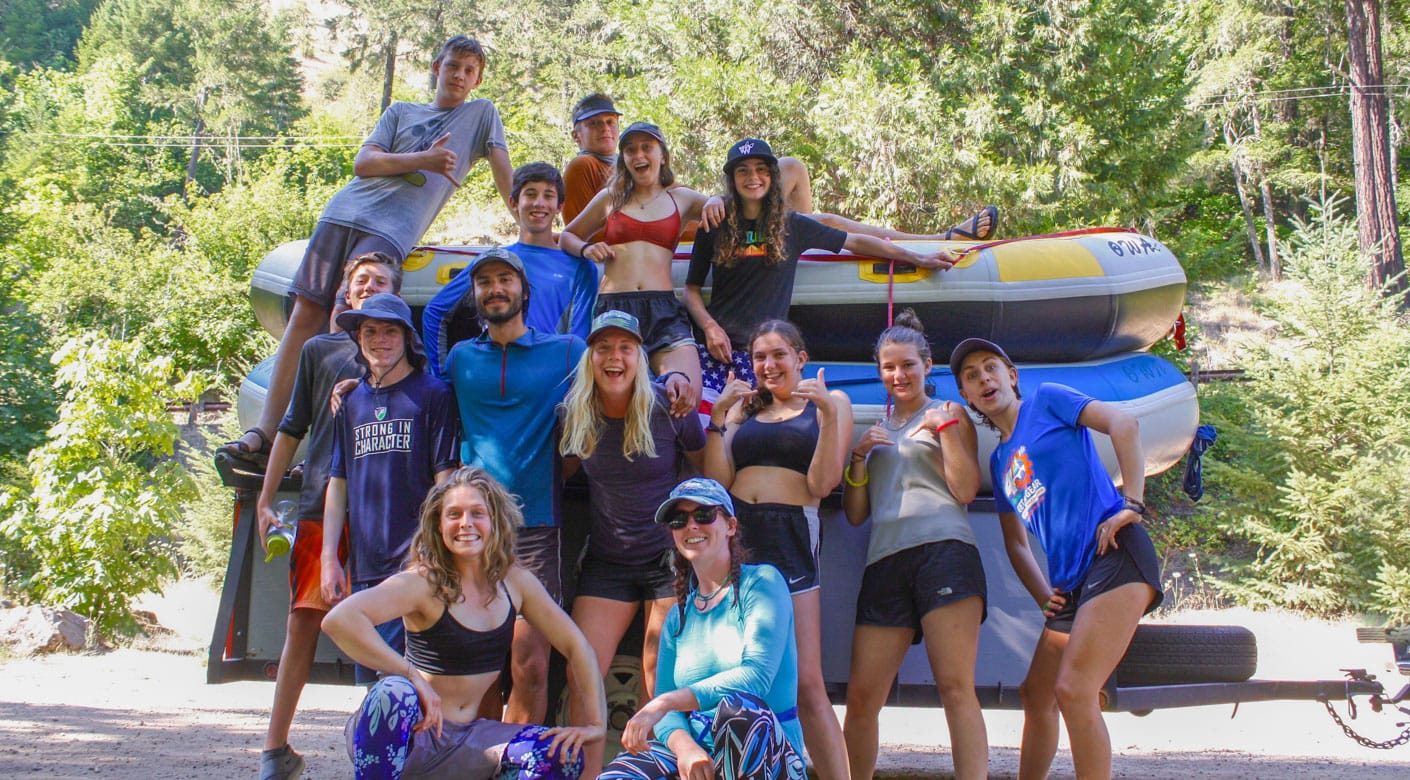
{"x": 148, "y": 713}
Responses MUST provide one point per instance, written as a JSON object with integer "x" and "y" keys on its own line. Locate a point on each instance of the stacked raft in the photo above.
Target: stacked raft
{"x": 1077, "y": 308}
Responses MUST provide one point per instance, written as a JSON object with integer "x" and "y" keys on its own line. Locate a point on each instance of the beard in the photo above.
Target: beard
{"x": 514, "y": 309}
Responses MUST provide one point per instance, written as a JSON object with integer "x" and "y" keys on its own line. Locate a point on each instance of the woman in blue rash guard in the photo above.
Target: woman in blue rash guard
{"x": 728, "y": 668}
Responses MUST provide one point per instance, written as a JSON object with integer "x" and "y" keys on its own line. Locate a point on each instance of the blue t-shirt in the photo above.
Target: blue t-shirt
{"x": 389, "y": 444}
{"x": 746, "y": 646}
{"x": 562, "y": 290}
{"x": 1049, "y": 474}
{"x": 507, "y": 397}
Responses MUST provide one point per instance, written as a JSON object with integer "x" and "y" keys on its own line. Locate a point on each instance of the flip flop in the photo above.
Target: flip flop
{"x": 239, "y": 452}
{"x": 969, "y": 229}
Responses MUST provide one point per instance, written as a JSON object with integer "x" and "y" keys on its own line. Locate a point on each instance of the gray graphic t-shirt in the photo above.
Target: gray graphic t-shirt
{"x": 400, "y": 208}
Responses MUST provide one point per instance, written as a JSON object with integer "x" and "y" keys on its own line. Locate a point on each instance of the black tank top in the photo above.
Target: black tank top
{"x": 787, "y": 444}
{"x": 449, "y": 648}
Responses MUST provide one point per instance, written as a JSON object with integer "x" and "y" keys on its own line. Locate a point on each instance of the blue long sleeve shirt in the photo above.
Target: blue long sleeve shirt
{"x": 745, "y": 646}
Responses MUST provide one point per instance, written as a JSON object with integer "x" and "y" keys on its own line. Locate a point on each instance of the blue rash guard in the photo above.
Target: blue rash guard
{"x": 507, "y": 398}
{"x": 562, "y": 290}
{"x": 1049, "y": 474}
{"x": 745, "y": 646}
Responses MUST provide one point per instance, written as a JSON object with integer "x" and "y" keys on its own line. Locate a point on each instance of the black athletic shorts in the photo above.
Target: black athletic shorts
{"x": 905, "y": 586}
{"x": 783, "y": 535}
{"x": 1133, "y": 561}
{"x": 665, "y": 324}
{"x": 630, "y": 583}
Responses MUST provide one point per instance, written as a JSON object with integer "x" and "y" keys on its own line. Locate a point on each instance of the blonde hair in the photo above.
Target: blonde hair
{"x": 582, "y": 412}
{"x": 429, "y": 554}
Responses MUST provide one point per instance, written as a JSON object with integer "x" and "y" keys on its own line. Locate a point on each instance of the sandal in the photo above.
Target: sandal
{"x": 251, "y": 460}
{"x": 969, "y": 229}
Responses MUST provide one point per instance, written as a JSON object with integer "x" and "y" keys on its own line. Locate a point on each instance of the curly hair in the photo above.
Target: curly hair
{"x": 622, "y": 185}
{"x": 685, "y": 575}
{"x": 429, "y": 554}
{"x": 789, "y": 333}
{"x": 773, "y": 221}
{"x": 582, "y": 412}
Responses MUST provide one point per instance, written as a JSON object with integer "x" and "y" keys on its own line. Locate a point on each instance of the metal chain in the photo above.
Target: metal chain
{"x": 1363, "y": 741}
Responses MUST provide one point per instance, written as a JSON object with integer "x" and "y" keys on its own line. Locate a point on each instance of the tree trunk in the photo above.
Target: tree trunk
{"x": 390, "y": 70}
{"x": 1252, "y": 227}
{"x": 1375, "y": 188}
{"x": 1275, "y": 264}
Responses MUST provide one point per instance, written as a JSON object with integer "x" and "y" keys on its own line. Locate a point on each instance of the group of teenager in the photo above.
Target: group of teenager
{"x": 429, "y": 531}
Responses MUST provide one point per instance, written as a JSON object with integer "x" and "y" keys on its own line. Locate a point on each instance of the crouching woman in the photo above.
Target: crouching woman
{"x": 727, "y": 668}
{"x": 459, "y": 598}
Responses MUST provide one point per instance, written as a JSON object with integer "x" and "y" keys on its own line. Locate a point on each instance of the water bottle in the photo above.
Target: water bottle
{"x": 280, "y": 538}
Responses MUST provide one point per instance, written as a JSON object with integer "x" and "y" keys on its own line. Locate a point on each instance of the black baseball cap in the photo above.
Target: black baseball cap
{"x": 968, "y": 347}
{"x": 749, "y": 148}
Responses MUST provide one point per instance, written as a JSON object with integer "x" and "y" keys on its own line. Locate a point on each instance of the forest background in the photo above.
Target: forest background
{"x": 152, "y": 151}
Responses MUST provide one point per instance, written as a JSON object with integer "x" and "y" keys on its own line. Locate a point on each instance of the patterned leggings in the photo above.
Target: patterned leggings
{"x": 747, "y": 743}
{"x": 381, "y": 743}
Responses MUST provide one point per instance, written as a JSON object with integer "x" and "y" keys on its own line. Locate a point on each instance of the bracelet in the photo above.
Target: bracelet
{"x": 942, "y": 426}
{"x": 847, "y": 477}
{"x": 662, "y": 379}
{"x": 1132, "y": 504}
{"x": 856, "y": 458}
{"x": 713, "y": 428}
{"x": 582, "y": 253}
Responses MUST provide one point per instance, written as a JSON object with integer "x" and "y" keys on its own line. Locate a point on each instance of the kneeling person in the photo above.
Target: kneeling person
{"x": 458, "y": 598}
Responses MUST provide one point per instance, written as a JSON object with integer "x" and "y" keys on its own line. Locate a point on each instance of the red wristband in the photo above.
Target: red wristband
{"x": 942, "y": 426}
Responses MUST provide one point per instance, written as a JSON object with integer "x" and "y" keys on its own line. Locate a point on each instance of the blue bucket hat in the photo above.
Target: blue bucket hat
{"x": 387, "y": 307}
{"x": 701, "y": 490}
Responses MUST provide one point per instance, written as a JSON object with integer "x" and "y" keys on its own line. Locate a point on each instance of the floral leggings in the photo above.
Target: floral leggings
{"x": 382, "y": 745}
{"x": 745, "y": 741}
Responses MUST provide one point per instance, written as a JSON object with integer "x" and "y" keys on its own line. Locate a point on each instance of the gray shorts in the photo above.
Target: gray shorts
{"x": 540, "y": 550}
{"x": 463, "y": 751}
{"x": 329, "y": 249}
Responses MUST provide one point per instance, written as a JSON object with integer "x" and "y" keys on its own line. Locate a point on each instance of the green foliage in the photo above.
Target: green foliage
{"x": 1314, "y": 451}
{"x": 104, "y": 490}
{"x": 42, "y": 33}
{"x": 203, "y": 536}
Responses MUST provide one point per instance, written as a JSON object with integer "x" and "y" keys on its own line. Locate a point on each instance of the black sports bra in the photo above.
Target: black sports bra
{"x": 788, "y": 444}
{"x": 449, "y": 648}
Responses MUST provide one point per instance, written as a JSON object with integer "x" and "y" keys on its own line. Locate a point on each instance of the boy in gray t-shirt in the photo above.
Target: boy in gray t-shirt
{"x": 406, "y": 170}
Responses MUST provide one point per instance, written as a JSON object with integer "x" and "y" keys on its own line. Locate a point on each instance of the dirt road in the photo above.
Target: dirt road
{"x": 149, "y": 714}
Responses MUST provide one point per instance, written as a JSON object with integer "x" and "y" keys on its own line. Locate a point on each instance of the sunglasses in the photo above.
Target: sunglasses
{"x": 704, "y": 515}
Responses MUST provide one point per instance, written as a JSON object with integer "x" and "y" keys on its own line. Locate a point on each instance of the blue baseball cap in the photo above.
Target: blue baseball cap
{"x": 701, "y": 490}
{"x": 615, "y": 320}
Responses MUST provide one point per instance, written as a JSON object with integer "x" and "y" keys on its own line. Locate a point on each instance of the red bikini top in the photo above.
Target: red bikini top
{"x": 664, "y": 232}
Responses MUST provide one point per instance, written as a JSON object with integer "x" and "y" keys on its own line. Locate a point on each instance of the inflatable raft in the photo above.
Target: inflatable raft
{"x": 1067, "y": 297}
{"x": 1146, "y": 386}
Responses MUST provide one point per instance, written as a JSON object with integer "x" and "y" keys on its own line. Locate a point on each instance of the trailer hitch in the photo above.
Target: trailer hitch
{"x": 1378, "y": 701}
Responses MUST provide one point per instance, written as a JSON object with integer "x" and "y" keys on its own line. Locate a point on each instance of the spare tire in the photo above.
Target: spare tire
{"x": 1166, "y": 654}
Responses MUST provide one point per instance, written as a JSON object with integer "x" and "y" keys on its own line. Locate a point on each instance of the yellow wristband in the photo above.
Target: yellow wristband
{"x": 847, "y": 477}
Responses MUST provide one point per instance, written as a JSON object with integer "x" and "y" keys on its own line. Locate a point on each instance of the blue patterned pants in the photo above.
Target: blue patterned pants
{"x": 746, "y": 743}
{"x": 382, "y": 745}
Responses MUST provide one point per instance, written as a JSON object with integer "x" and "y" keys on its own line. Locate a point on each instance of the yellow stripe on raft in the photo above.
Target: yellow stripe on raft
{"x": 1030, "y": 261}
